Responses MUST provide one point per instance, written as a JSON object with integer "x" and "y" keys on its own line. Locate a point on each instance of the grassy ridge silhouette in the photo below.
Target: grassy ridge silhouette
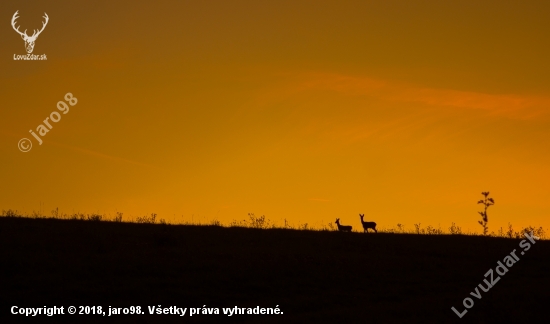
{"x": 320, "y": 276}
{"x": 261, "y": 222}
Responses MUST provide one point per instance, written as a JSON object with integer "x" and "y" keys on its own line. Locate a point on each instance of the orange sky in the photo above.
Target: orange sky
{"x": 304, "y": 110}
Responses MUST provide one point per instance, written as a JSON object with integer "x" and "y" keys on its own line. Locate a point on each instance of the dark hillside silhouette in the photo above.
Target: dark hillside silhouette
{"x": 313, "y": 276}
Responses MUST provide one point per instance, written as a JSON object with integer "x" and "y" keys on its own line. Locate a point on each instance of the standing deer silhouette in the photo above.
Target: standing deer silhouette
{"x": 343, "y": 228}
{"x": 367, "y": 225}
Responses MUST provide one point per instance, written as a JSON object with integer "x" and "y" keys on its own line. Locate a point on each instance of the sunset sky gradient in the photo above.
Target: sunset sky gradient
{"x": 404, "y": 111}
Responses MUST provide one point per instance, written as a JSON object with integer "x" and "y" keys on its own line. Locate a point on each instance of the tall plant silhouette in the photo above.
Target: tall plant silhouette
{"x": 486, "y": 202}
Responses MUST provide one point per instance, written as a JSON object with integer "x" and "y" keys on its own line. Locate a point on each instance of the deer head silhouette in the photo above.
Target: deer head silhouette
{"x": 29, "y": 40}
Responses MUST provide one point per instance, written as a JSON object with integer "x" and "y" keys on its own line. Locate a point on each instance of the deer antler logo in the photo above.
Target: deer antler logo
{"x": 29, "y": 40}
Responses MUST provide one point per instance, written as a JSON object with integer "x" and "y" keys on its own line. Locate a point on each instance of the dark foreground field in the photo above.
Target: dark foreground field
{"x": 314, "y": 277}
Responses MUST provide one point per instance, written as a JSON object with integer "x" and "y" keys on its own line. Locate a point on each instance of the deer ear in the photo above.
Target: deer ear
{"x": 23, "y": 36}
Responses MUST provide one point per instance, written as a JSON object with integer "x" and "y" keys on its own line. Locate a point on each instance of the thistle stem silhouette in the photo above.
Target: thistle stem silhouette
{"x": 484, "y": 219}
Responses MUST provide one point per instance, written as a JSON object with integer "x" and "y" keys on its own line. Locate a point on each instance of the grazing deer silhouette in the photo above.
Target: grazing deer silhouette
{"x": 343, "y": 228}
{"x": 367, "y": 225}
